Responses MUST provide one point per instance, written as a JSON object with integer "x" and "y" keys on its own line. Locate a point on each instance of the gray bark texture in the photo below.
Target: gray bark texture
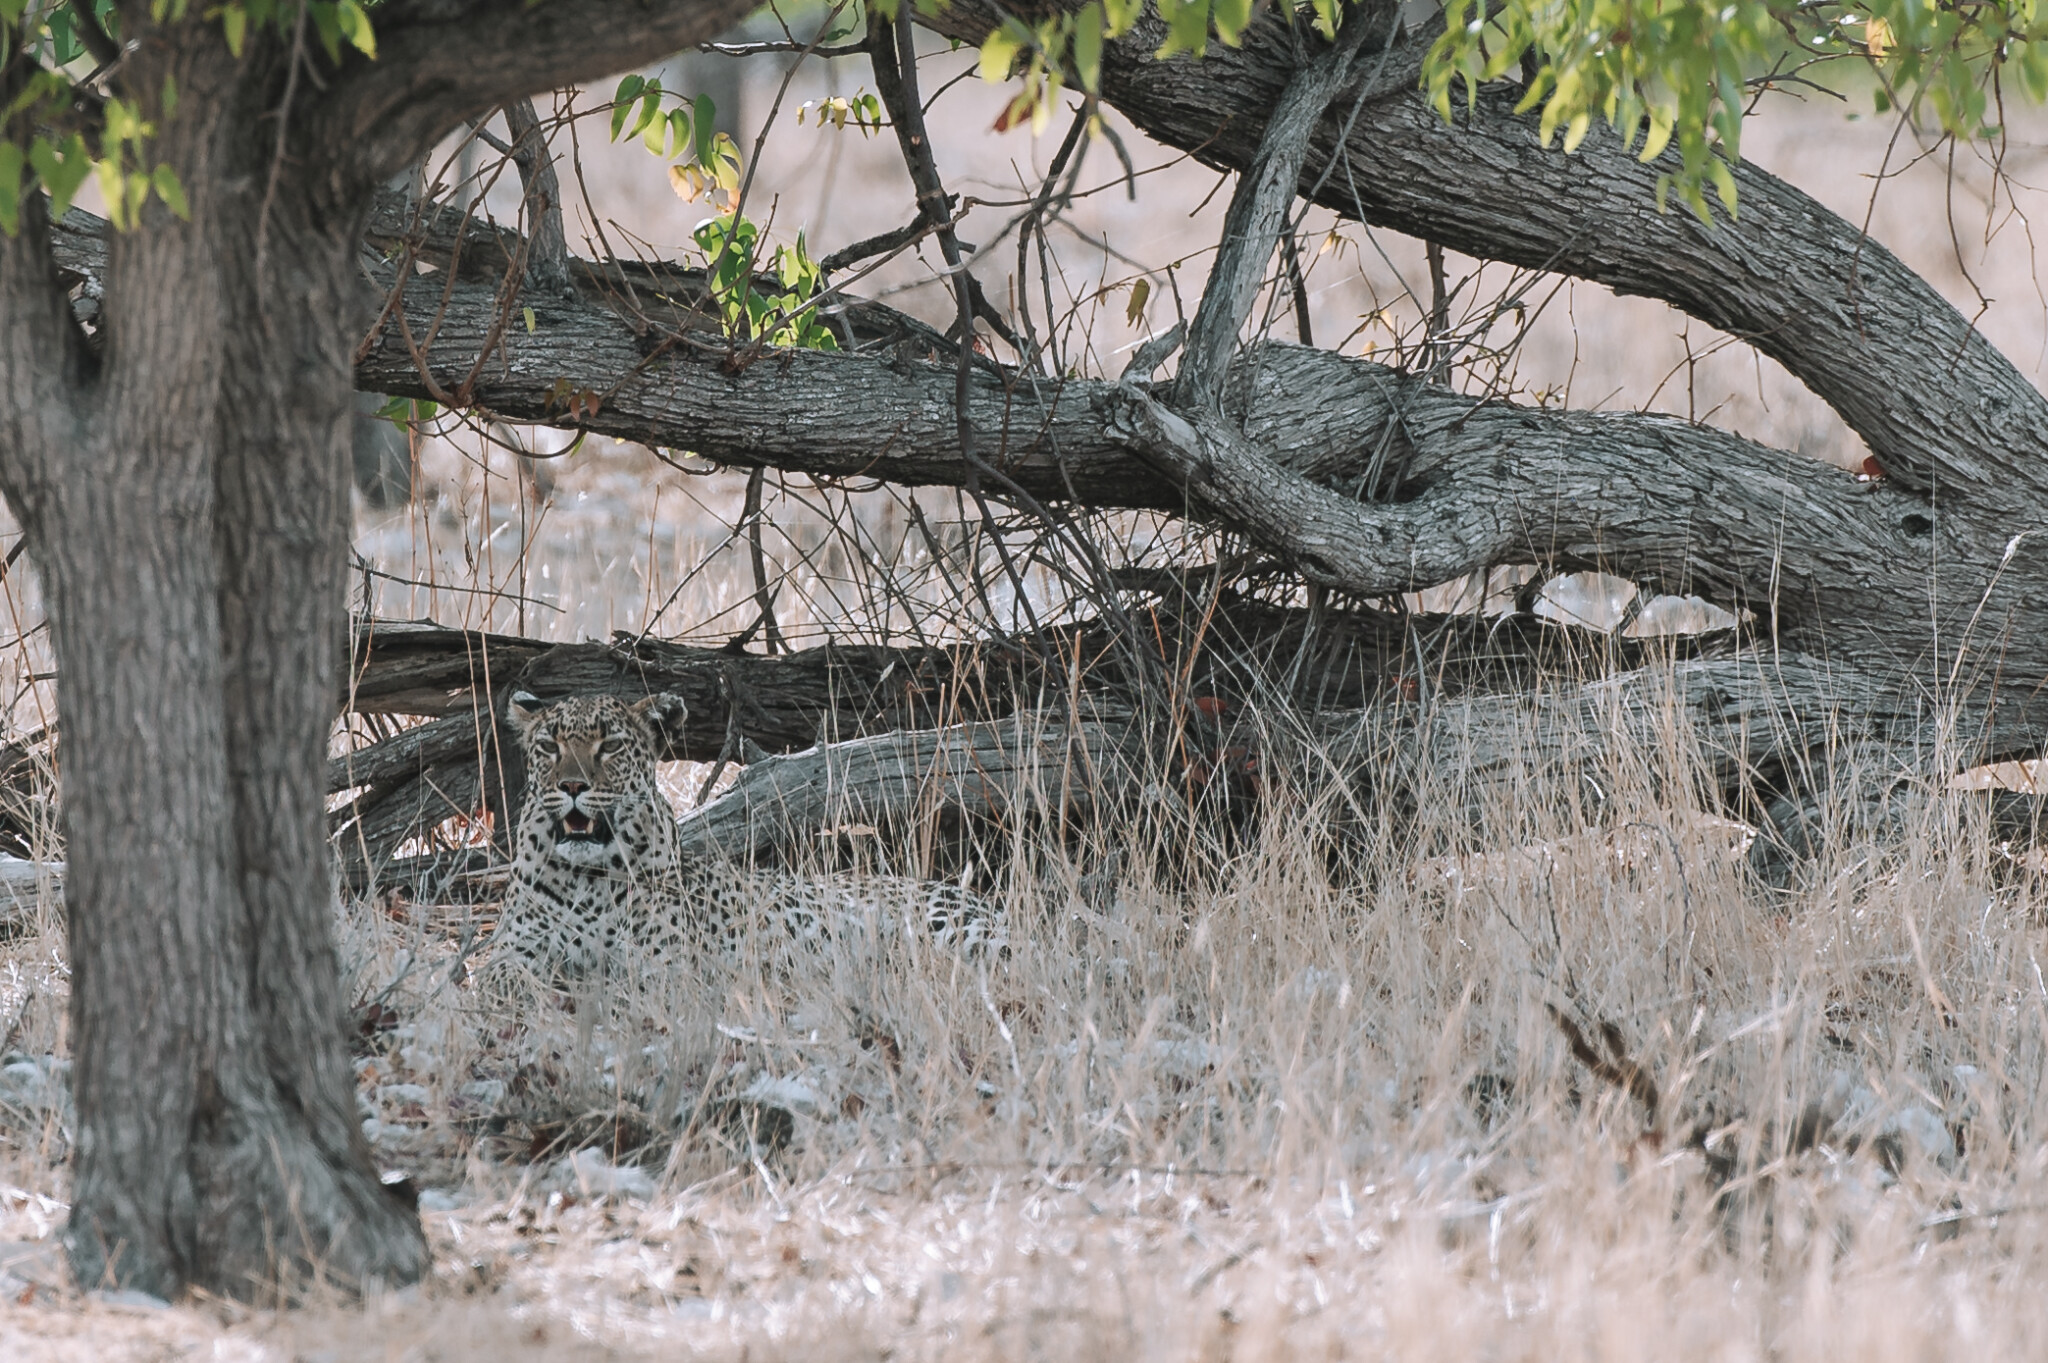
{"x": 182, "y": 476}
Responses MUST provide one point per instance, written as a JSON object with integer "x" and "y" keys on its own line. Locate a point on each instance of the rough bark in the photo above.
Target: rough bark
{"x": 1456, "y": 484}
{"x": 1449, "y": 485}
{"x": 1941, "y": 409}
{"x": 182, "y": 479}
{"x": 1489, "y": 746}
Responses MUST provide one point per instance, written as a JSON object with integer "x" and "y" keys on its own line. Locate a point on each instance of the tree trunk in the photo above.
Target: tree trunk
{"x": 191, "y": 536}
{"x": 182, "y": 477}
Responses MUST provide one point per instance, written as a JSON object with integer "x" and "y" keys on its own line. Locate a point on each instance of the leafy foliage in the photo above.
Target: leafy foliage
{"x": 709, "y": 160}
{"x": 1662, "y": 73}
{"x": 1680, "y": 72}
{"x": 46, "y": 141}
{"x": 771, "y": 300}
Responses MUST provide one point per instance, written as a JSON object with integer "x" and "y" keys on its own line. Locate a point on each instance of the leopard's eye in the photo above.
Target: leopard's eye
{"x": 611, "y": 745}
{"x": 544, "y": 746}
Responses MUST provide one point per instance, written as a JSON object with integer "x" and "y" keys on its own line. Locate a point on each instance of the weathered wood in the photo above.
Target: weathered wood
{"x": 1734, "y": 732}
{"x": 1024, "y": 767}
{"x": 1942, "y": 410}
{"x": 1234, "y": 652}
{"x": 28, "y": 891}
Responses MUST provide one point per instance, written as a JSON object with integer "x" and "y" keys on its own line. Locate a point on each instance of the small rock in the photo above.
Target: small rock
{"x": 1923, "y": 1134}
{"x": 488, "y": 1092}
{"x": 400, "y": 1094}
{"x": 791, "y": 1095}
{"x": 589, "y": 1172}
{"x": 128, "y": 1299}
{"x": 35, "y": 1086}
{"x": 442, "y": 1200}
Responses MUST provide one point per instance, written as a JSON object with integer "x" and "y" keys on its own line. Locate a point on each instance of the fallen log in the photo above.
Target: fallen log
{"x": 28, "y": 891}
{"x": 1767, "y": 744}
{"x": 1221, "y": 650}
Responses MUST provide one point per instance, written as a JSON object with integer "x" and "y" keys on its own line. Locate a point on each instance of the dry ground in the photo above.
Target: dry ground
{"x": 1218, "y": 1101}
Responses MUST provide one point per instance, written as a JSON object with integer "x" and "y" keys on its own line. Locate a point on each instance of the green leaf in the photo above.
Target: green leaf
{"x": 1088, "y": 30}
{"x": 62, "y": 170}
{"x": 650, "y": 106}
{"x": 135, "y": 189}
{"x": 532, "y": 322}
{"x": 234, "y": 21}
{"x": 1187, "y": 27}
{"x": 11, "y": 166}
{"x": 1121, "y": 14}
{"x": 1231, "y": 18}
{"x": 327, "y": 25}
{"x": 622, "y": 102}
{"x": 355, "y": 26}
{"x": 705, "y": 119}
{"x": 170, "y": 191}
{"x": 1724, "y": 183}
{"x": 1662, "y": 121}
{"x": 999, "y": 53}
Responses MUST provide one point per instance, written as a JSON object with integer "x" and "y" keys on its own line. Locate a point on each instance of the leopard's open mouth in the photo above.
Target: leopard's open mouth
{"x": 576, "y": 826}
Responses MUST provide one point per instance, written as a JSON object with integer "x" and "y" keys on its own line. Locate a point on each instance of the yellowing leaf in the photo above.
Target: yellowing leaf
{"x": 170, "y": 191}
{"x": 1659, "y": 136}
{"x": 1140, "y": 292}
{"x": 1088, "y": 26}
{"x": 998, "y": 54}
{"x": 1877, "y": 37}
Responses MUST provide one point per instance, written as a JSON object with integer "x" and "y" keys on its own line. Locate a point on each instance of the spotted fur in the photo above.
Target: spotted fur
{"x": 599, "y": 877}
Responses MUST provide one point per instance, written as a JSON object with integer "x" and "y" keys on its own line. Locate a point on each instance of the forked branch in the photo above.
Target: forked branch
{"x": 1258, "y": 214}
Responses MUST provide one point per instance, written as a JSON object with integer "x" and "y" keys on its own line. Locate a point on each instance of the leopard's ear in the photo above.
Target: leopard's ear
{"x": 664, "y": 713}
{"x": 523, "y": 712}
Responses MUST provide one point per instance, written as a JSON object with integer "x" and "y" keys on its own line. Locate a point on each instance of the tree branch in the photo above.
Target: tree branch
{"x": 1258, "y": 214}
{"x": 547, "y": 241}
{"x": 44, "y": 360}
{"x": 1369, "y": 479}
{"x": 1465, "y": 483}
{"x": 442, "y": 61}
{"x": 105, "y": 52}
{"x": 1939, "y": 406}
{"x": 1760, "y": 730}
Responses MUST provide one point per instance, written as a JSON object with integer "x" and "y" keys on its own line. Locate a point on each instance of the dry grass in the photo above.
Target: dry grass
{"x": 1245, "y": 1105}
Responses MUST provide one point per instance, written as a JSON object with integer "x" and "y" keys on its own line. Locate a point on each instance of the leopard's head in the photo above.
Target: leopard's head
{"x": 584, "y": 755}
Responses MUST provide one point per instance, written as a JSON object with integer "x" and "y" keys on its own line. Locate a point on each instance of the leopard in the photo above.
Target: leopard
{"x": 600, "y": 879}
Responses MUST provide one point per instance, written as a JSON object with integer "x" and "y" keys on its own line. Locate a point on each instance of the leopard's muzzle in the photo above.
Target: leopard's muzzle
{"x": 581, "y": 826}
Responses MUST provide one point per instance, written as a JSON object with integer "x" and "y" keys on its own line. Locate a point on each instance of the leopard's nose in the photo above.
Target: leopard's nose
{"x": 574, "y": 788}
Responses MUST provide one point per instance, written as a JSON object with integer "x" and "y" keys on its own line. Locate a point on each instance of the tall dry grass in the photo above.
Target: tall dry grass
{"x": 1304, "y": 1093}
